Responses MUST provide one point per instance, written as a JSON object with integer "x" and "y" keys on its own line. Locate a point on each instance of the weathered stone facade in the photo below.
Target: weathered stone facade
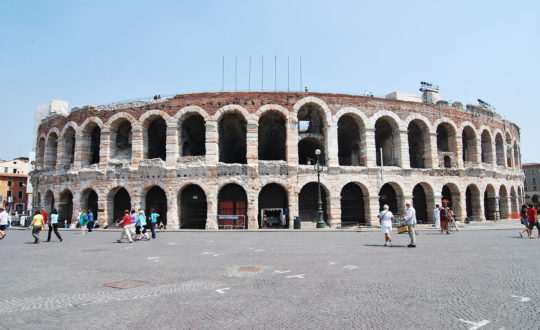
{"x": 177, "y": 154}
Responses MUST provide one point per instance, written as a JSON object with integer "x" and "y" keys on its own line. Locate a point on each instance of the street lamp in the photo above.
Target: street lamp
{"x": 318, "y": 168}
{"x": 35, "y": 190}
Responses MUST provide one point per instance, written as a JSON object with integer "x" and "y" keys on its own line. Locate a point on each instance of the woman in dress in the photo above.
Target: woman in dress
{"x": 386, "y": 218}
{"x": 524, "y": 220}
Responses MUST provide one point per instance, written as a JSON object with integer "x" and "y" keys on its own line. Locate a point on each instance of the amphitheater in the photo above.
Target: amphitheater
{"x": 245, "y": 160}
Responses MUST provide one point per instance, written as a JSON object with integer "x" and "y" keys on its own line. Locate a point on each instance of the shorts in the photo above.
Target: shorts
{"x": 3, "y": 227}
{"x": 83, "y": 223}
{"x": 386, "y": 229}
{"x": 533, "y": 224}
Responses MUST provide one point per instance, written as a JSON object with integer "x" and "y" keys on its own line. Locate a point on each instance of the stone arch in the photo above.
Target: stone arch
{"x": 192, "y": 132}
{"x": 68, "y": 143}
{"x": 423, "y": 199}
{"x": 118, "y": 200}
{"x": 154, "y": 197}
{"x": 450, "y": 193}
{"x": 232, "y": 108}
{"x": 487, "y": 147}
{"x": 313, "y": 124}
{"x": 314, "y": 100}
{"x": 446, "y": 136}
{"x": 472, "y": 202}
{"x": 193, "y": 207}
{"x": 419, "y": 143}
{"x": 121, "y": 137}
{"x": 273, "y": 205}
{"x": 391, "y": 194}
{"x": 272, "y": 135}
{"x": 306, "y": 151}
{"x": 154, "y": 125}
{"x": 121, "y": 116}
{"x": 189, "y": 110}
{"x": 232, "y": 131}
{"x": 308, "y": 202}
{"x": 490, "y": 203}
{"x": 89, "y": 201}
{"x": 352, "y": 144}
{"x": 387, "y": 139}
{"x": 232, "y": 208}
{"x": 65, "y": 207}
{"x": 273, "y": 107}
{"x": 90, "y": 132}
{"x": 469, "y": 144}
{"x": 51, "y": 149}
{"x": 355, "y": 209}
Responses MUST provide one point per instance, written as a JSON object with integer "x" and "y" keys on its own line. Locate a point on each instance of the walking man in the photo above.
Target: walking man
{"x": 532, "y": 216}
{"x": 410, "y": 221}
{"x": 125, "y": 223}
{"x": 90, "y": 216}
{"x": 3, "y": 222}
{"x": 437, "y": 216}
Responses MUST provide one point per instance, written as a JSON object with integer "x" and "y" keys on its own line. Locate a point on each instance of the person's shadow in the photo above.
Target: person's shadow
{"x": 382, "y": 245}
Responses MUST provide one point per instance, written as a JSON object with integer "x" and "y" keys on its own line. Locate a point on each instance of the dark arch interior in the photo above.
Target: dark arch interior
{"x": 352, "y": 205}
{"x": 122, "y": 202}
{"x": 157, "y": 139}
{"x": 385, "y": 140}
{"x": 388, "y": 196}
{"x": 490, "y": 203}
{"x": 420, "y": 204}
{"x": 446, "y": 196}
{"x": 306, "y": 151}
{"x": 52, "y": 150}
{"x": 472, "y": 201}
{"x": 469, "y": 145}
{"x": 65, "y": 207}
{"x": 272, "y": 136}
{"x": 90, "y": 202}
{"x": 41, "y": 152}
{"x": 442, "y": 138}
{"x": 416, "y": 145}
{"x": 349, "y": 142}
{"x": 447, "y": 162}
{"x": 49, "y": 201}
{"x": 193, "y": 208}
{"x": 486, "y": 148}
{"x": 157, "y": 199}
{"x": 273, "y": 203}
{"x": 308, "y": 203}
{"x": 232, "y": 201}
{"x": 193, "y": 136}
{"x": 314, "y": 115}
{"x": 232, "y": 139}
{"x": 69, "y": 145}
{"x": 95, "y": 141}
{"x": 123, "y": 142}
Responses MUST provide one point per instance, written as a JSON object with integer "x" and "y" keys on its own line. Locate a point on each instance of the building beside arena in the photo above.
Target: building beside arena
{"x": 216, "y": 160}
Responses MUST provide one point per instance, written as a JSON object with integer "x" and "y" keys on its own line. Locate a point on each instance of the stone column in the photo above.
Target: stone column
{"x": 76, "y": 207}
{"x": 137, "y": 144}
{"x": 332, "y": 146}
{"x": 212, "y": 144}
{"x": 61, "y": 157}
{"x": 433, "y": 151}
{"x": 493, "y": 153}
{"x": 292, "y": 143}
{"x": 293, "y": 207}
{"x": 173, "y": 221}
{"x": 252, "y": 210}
{"x": 496, "y": 210}
{"x": 105, "y": 147}
{"x": 211, "y": 211}
{"x": 252, "y": 145}
{"x": 172, "y": 144}
{"x": 79, "y": 151}
{"x": 334, "y": 211}
{"x": 459, "y": 151}
{"x": 369, "y": 151}
{"x": 404, "y": 150}
{"x": 103, "y": 209}
{"x": 478, "y": 150}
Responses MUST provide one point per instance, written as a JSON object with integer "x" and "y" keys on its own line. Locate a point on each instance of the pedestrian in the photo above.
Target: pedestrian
{"x": 133, "y": 225}
{"x": 90, "y": 216}
{"x": 437, "y": 216}
{"x": 44, "y": 214}
{"x": 83, "y": 221}
{"x": 532, "y": 217}
{"x": 445, "y": 218}
{"x": 410, "y": 221}
{"x": 153, "y": 221}
{"x": 524, "y": 220}
{"x": 125, "y": 223}
{"x": 385, "y": 218}
{"x": 452, "y": 219}
{"x": 142, "y": 223}
{"x": 53, "y": 226}
{"x": 3, "y": 222}
{"x": 37, "y": 226}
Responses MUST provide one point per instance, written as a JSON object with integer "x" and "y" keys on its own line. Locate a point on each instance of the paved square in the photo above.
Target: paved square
{"x": 487, "y": 279}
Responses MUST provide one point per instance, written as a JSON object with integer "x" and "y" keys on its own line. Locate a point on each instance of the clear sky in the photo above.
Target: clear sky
{"x": 98, "y": 52}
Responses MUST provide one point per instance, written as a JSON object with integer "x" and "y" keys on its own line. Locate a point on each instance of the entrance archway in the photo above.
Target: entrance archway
{"x": 89, "y": 201}
{"x": 232, "y": 207}
{"x": 490, "y": 203}
{"x": 350, "y": 133}
{"x": 468, "y": 139}
{"x": 472, "y": 201}
{"x": 306, "y": 151}
{"x": 156, "y": 132}
{"x": 387, "y": 139}
{"x": 353, "y": 201}
{"x": 420, "y": 204}
{"x": 391, "y": 195}
{"x": 487, "y": 148}
{"x": 193, "y": 136}
{"x": 272, "y": 136}
{"x": 120, "y": 200}
{"x": 308, "y": 202}
{"x": 193, "y": 208}
{"x": 273, "y": 203}
{"x": 232, "y": 139}
{"x": 48, "y": 201}
{"x": 418, "y": 136}
{"x": 65, "y": 207}
{"x": 450, "y": 194}
{"x": 121, "y": 140}
{"x": 156, "y": 199}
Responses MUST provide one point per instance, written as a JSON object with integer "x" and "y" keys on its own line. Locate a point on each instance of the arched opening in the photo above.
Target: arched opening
{"x": 69, "y": 147}
{"x": 48, "y": 201}
{"x": 418, "y": 136}
{"x": 272, "y": 136}
{"x": 387, "y": 139}
{"x": 193, "y": 208}
{"x": 503, "y": 202}
{"x": 91, "y": 141}
{"x": 311, "y": 128}
{"x": 393, "y": 197}
{"x": 308, "y": 203}
{"x": 447, "y": 161}
{"x": 89, "y": 202}
{"x": 499, "y": 149}
{"x": 156, "y": 139}
{"x": 472, "y": 201}
{"x": 156, "y": 199}
{"x": 232, "y": 139}
{"x": 420, "y": 204}
{"x": 51, "y": 151}
{"x": 121, "y": 140}
{"x": 450, "y": 195}
{"x": 41, "y": 152}
{"x": 273, "y": 207}
{"x": 193, "y": 136}
{"x": 490, "y": 203}
{"x": 446, "y": 138}
{"x": 350, "y": 134}
{"x": 306, "y": 151}
{"x": 232, "y": 207}
{"x": 65, "y": 208}
{"x": 353, "y": 201}
{"x": 120, "y": 201}
{"x": 514, "y": 204}
{"x": 468, "y": 139}
{"x": 487, "y": 152}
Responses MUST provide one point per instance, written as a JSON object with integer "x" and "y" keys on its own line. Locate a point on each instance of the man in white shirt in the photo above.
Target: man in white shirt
{"x": 437, "y": 216}
{"x": 3, "y": 222}
{"x": 410, "y": 220}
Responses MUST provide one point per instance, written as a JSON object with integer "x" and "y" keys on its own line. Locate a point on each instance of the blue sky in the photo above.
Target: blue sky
{"x": 97, "y": 52}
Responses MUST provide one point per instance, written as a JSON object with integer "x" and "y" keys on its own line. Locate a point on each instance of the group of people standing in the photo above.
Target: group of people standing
{"x": 444, "y": 218}
{"x": 529, "y": 218}
{"x": 135, "y": 225}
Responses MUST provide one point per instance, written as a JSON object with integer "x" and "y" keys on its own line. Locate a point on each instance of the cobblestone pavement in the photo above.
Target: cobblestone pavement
{"x": 474, "y": 279}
